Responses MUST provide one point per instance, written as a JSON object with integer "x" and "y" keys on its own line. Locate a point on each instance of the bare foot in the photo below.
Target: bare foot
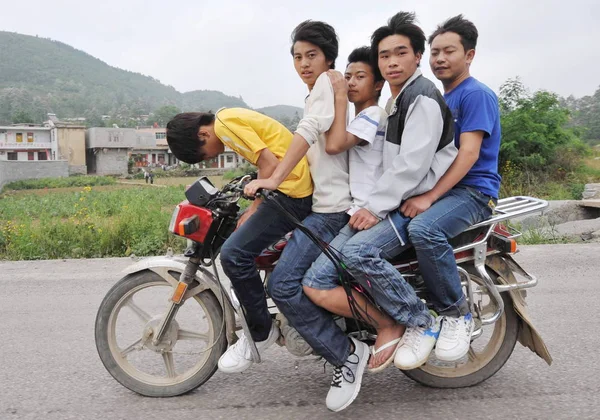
{"x": 384, "y": 336}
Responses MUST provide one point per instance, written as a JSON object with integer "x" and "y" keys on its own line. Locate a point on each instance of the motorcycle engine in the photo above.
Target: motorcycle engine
{"x": 291, "y": 339}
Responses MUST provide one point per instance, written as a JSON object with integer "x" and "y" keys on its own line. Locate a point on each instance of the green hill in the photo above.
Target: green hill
{"x": 207, "y": 100}
{"x": 281, "y": 111}
{"x": 38, "y": 76}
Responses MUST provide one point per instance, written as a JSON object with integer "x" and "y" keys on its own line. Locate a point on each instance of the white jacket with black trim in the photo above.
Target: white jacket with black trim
{"x": 419, "y": 145}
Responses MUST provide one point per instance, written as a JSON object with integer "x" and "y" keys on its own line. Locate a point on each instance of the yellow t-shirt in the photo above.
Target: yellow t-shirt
{"x": 248, "y": 132}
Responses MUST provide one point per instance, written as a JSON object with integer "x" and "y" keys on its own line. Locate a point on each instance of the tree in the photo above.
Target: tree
{"x": 511, "y": 92}
{"x": 94, "y": 121}
{"x": 294, "y": 121}
{"x": 163, "y": 115}
{"x": 22, "y": 117}
{"x": 586, "y": 115}
{"x": 535, "y": 132}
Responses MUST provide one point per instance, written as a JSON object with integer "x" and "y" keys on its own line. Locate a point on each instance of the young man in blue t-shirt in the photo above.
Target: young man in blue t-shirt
{"x": 468, "y": 191}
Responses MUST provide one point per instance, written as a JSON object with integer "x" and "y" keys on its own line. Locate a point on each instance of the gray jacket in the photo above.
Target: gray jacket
{"x": 419, "y": 145}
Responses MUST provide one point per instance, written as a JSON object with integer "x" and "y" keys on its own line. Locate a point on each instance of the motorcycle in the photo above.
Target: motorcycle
{"x": 161, "y": 329}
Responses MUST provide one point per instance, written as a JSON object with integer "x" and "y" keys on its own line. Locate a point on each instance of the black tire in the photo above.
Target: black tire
{"x": 214, "y": 315}
{"x": 459, "y": 377}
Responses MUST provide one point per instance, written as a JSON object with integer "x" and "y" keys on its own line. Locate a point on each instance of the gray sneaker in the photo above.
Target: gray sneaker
{"x": 347, "y": 378}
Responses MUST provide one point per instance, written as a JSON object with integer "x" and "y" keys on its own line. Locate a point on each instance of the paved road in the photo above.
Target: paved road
{"x": 50, "y": 369}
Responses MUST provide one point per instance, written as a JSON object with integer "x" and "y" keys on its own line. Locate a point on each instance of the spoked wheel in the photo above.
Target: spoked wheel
{"x": 488, "y": 352}
{"x": 186, "y": 356}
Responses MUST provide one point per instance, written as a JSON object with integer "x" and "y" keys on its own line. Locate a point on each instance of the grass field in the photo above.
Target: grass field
{"x": 116, "y": 218}
{"x": 88, "y": 222}
{"x": 79, "y": 217}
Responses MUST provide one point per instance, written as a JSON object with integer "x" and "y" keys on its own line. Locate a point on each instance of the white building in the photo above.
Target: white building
{"x": 27, "y": 142}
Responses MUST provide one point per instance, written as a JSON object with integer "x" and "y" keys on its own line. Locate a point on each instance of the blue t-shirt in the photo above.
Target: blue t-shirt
{"x": 474, "y": 107}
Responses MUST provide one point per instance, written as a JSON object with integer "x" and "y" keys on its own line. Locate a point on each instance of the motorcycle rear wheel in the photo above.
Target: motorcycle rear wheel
{"x": 137, "y": 365}
{"x": 480, "y": 365}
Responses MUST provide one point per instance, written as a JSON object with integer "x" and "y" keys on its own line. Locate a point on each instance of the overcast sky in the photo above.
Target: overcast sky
{"x": 242, "y": 47}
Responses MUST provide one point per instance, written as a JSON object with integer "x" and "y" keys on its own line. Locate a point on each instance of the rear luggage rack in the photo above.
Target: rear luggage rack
{"x": 507, "y": 208}
{"x": 511, "y": 207}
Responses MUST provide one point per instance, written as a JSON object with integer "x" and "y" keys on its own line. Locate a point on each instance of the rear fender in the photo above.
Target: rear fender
{"x": 166, "y": 266}
{"x": 528, "y": 334}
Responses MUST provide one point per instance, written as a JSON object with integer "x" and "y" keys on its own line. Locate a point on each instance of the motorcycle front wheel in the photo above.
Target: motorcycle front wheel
{"x": 188, "y": 352}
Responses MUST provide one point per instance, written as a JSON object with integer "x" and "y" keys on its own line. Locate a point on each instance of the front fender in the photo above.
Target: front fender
{"x": 165, "y": 267}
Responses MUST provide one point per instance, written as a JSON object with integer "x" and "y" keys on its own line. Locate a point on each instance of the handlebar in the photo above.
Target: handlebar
{"x": 266, "y": 194}
{"x": 261, "y": 192}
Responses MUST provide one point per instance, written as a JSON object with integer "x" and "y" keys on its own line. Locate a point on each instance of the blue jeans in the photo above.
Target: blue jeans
{"x": 263, "y": 228}
{"x": 319, "y": 276}
{"x": 366, "y": 254}
{"x": 429, "y": 232}
{"x": 315, "y": 324}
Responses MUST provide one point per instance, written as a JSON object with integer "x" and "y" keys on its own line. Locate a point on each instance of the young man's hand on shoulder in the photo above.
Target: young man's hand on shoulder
{"x": 339, "y": 84}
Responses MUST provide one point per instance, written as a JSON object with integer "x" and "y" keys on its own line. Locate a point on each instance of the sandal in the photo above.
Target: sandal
{"x": 389, "y": 361}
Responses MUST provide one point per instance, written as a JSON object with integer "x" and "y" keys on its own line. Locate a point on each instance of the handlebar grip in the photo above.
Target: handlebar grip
{"x": 267, "y": 194}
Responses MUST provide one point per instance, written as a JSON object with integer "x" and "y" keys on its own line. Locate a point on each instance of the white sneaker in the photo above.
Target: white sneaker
{"x": 238, "y": 357}
{"x": 347, "y": 379}
{"x": 416, "y": 345}
{"x": 455, "y": 338}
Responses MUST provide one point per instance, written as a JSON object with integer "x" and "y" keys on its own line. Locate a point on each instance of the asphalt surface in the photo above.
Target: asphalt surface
{"x": 50, "y": 368}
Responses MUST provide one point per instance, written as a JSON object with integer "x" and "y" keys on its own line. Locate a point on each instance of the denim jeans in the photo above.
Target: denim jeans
{"x": 319, "y": 275}
{"x": 366, "y": 254}
{"x": 429, "y": 233}
{"x": 263, "y": 228}
{"x": 315, "y": 324}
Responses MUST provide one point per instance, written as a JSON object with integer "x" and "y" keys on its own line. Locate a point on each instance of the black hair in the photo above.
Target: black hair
{"x": 461, "y": 26}
{"x": 402, "y": 23}
{"x": 182, "y": 135}
{"x": 319, "y": 33}
{"x": 363, "y": 55}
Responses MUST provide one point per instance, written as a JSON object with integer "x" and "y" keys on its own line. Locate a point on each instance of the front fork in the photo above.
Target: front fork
{"x": 176, "y": 300}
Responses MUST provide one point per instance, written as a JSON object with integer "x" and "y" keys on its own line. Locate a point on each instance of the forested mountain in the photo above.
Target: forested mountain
{"x": 38, "y": 76}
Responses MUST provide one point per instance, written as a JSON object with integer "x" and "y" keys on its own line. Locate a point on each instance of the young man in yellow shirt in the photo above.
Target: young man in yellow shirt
{"x": 194, "y": 137}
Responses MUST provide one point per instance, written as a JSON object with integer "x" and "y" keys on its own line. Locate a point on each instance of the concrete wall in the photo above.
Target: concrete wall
{"x": 78, "y": 169}
{"x": 143, "y": 139}
{"x": 101, "y": 137}
{"x": 108, "y": 161}
{"x": 71, "y": 147}
{"x": 12, "y": 170}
